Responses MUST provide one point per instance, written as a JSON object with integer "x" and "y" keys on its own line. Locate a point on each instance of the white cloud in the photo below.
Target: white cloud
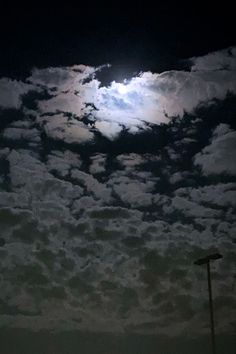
{"x": 219, "y": 156}
{"x": 155, "y": 98}
{"x": 146, "y": 98}
{"x": 30, "y": 176}
{"x": 62, "y": 102}
{"x": 109, "y": 129}
{"x": 67, "y": 86}
{"x": 61, "y": 78}
{"x": 66, "y": 129}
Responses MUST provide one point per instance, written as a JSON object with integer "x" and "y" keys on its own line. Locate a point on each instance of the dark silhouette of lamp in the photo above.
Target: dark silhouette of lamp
{"x": 207, "y": 260}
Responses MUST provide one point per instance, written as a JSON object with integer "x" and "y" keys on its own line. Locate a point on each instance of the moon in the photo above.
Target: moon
{"x": 122, "y": 89}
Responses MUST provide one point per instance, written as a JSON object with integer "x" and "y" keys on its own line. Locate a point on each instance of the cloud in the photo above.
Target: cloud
{"x": 98, "y": 190}
{"x": 30, "y": 176}
{"x": 22, "y": 130}
{"x": 100, "y": 237}
{"x": 62, "y": 78}
{"x": 130, "y": 161}
{"x": 98, "y": 163}
{"x": 190, "y": 208}
{"x": 219, "y": 156}
{"x": 103, "y": 257}
{"x": 62, "y": 162}
{"x": 148, "y": 98}
{"x": 70, "y": 87}
{"x": 135, "y": 190}
{"x": 11, "y": 92}
{"x": 110, "y": 130}
{"x": 68, "y": 130}
{"x": 220, "y": 60}
{"x": 220, "y": 194}
{"x": 156, "y": 98}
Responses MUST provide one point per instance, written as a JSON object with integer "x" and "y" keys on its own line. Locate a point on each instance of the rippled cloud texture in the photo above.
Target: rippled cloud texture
{"x": 103, "y": 208}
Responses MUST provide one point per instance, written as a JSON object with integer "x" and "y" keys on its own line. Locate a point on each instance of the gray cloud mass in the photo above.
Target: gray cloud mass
{"x": 104, "y": 239}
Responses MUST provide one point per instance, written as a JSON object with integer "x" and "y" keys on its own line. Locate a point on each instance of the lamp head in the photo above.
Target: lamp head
{"x": 207, "y": 259}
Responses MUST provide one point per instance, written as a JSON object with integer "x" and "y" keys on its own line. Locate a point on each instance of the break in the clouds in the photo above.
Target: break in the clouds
{"x": 103, "y": 209}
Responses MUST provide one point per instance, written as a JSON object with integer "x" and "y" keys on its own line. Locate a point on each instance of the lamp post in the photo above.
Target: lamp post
{"x": 206, "y": 260}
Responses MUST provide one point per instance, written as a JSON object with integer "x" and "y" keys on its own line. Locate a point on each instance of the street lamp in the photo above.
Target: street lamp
{"x": 206, "y": 260}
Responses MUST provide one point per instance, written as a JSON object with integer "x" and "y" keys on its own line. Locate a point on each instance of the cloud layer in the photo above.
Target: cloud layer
{"x": 103, "y": 210}
{"x": 148, "y": 98}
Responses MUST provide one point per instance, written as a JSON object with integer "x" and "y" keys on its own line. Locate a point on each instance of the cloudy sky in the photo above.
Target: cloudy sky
{"x": 116, "y": 174}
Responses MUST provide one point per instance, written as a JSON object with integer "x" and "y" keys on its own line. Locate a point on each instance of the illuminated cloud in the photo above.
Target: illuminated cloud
{"x": 62, "y": 128}
{"x": 218, "y": 157}
{"x": 61, "y": 79}
{"x": 156, "y": 98}
{"x": 148, "y": 98}
{"x": 110, "y": 129}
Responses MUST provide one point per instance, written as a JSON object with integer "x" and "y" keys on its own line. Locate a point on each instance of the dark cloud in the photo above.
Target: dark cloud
{"x": 103, "y": 211}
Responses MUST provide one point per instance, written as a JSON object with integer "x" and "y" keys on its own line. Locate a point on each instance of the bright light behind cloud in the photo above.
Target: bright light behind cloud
{"x": 134, "y": 104}
{"x": 157, "y": 98}
{"x": 122, "y": 89}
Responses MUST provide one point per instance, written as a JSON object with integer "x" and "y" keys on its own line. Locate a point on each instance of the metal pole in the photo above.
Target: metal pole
{"x": 211, "y": 309}
{"x": 206, "y": 260}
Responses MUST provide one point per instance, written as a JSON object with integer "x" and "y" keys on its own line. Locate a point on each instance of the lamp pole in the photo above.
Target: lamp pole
{"x": 207, "y": 260}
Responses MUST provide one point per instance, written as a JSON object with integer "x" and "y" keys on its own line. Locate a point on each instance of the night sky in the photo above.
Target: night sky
{"x": 117, "y": 172}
